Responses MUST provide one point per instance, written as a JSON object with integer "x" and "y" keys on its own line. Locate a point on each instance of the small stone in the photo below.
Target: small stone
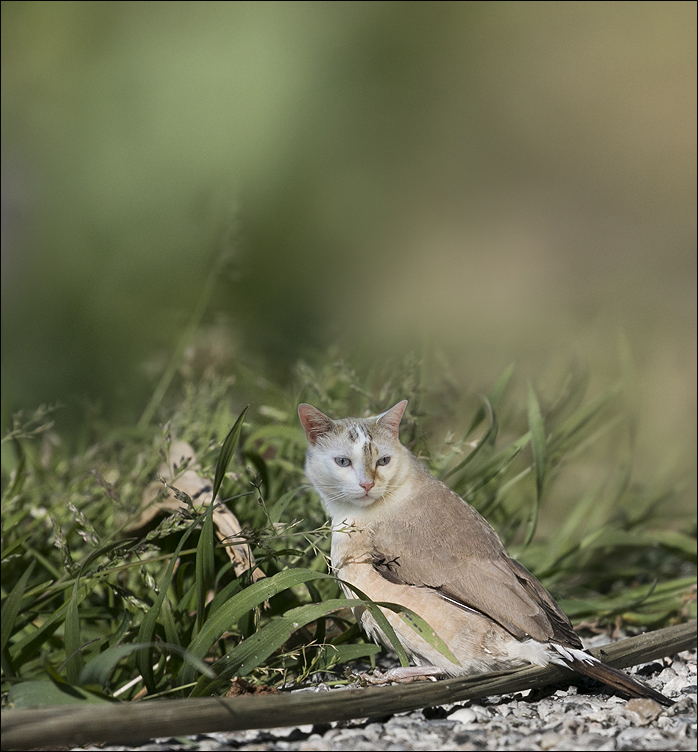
{"x": 292, "y": 733}
{"x": 642, "y": 711}
{"x": 464, "y": 716}
{"x": 549, "y": 740}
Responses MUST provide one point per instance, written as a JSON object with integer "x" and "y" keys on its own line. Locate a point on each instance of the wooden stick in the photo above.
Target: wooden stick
{"x": 121, "y": 723}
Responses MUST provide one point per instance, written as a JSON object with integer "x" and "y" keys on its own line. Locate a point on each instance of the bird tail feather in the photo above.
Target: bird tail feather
{"x": 586, "y": 664}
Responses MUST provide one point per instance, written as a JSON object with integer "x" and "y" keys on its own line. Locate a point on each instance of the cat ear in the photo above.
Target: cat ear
{"x": 391, "y": 418}
{"x": 314, "y": 422}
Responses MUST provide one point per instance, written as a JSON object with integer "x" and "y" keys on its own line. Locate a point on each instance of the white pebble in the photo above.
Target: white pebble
{"x": 464, "y": 715}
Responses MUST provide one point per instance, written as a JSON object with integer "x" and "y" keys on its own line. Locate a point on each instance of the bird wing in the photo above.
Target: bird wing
{"x": 444, "y": 544}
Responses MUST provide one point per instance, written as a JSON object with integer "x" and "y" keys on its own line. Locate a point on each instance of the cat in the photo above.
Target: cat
{"x": 402, "y": 536}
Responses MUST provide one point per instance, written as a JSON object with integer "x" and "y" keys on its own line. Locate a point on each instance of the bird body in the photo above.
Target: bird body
{"x": 402, "y": 536}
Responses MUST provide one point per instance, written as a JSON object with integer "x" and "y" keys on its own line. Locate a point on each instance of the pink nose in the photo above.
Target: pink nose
{"x": 367, "y": 485}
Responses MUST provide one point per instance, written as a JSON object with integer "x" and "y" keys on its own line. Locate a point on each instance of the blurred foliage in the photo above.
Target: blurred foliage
{"x": 96, "y": 609}
{"x": 510, "y": 180}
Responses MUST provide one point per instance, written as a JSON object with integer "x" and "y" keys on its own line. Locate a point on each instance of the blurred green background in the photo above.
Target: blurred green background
{"x": 497, "y": 181}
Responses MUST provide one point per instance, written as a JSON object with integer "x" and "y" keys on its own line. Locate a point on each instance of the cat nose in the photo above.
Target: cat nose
{"x": 367, "y": 485}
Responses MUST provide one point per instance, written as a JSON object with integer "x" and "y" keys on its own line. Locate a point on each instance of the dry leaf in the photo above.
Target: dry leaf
{"x": 159, "y": 498}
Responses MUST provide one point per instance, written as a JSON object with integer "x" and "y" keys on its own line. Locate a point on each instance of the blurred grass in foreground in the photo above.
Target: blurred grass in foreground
{"x": 91, "y": 614}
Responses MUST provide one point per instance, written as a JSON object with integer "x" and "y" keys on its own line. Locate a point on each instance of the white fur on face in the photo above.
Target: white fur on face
{"x": 363, "y": 444}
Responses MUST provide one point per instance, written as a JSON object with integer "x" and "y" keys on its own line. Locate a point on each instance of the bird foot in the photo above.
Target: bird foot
{"x": 403, "y": 675}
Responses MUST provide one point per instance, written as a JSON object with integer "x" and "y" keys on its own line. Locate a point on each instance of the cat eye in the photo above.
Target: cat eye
{"x": 383, "y": 461}
{"x": 343, "y": 461}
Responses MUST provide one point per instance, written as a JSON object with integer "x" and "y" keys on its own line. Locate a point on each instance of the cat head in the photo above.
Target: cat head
{"x": 354, "y": 462}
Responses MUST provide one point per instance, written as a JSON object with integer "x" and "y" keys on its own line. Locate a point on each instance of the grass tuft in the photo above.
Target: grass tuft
{"x": 110, "y": 592}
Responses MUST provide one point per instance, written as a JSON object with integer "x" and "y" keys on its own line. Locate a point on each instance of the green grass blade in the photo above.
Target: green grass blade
{"x": 11, "y": 604}
{"x": 564, "y": 541}
{"x": 147, "y": 628}
{"x": 493, "y": 397}
{"x": 279, "y": 506}
{"x": 614, "y": 539}
{"x": 20, "y": 473}
{"x": 224, "y": 595}
{"x": 657, "y": 600}
{"x": 540, "y": 457}
{"x": 29, "y": 646}
{"x": 205, "y": 565}
{"x": 537, "y": 429}
{"x": 677, "y": 541}
{"x": 382, "y": 622}
{"x": 494, "y": 467}
{"x": 424, "y": 630}
{"x": 332, "y": 655}
{"x": 99, "y": 669}
{"x": 73, "y": 643}
{"x": 72, "y": 631}
{"x": 168, "y": 622}
{"x": 8, "y": 550}
{"x": 231, "y": 612}
{"x": 488, "y": 439}
{"x": 254, "y": 650}
{"x": 563, "y": 437}
{"x": 229, "y": 446}
{"x": 35, "y": 694}
{"x": 500, "y": 385}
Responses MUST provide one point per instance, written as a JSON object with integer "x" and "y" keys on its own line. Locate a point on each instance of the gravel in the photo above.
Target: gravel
{"x": 562, "y": 719}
